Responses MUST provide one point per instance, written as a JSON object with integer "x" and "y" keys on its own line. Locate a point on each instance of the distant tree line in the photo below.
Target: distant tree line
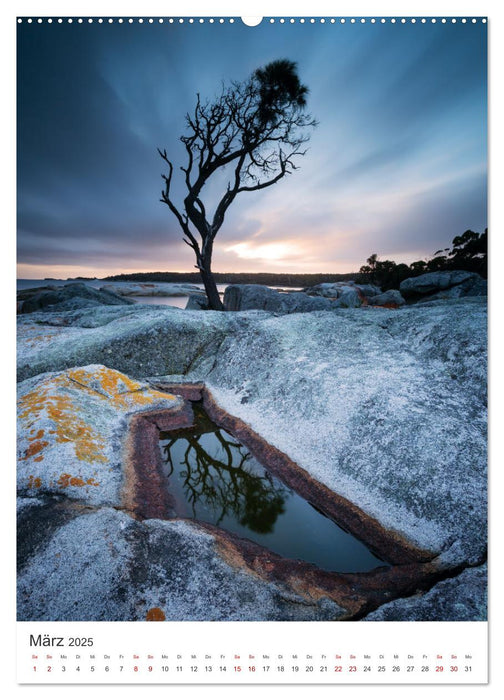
{"x": 270, "y": 279}
{"x": 468, "y": 252}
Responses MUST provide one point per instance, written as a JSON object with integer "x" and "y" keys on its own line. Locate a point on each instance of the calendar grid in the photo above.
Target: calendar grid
{"x": 190, "y": 652}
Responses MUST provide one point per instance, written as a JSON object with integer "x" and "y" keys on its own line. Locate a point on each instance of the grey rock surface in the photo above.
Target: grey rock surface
{"x": 468, "y": 283}
{"x": 386, "y": 407}
{"x": 138, "y": 340}
{"x": 197, "y": 302}
{"x": 151, "y": 289}
{"x": 334, "y": 290}
{"x": 105, "y": 565}
{"x": 392, "y": 296}
{"x": 298, "y": 302}
{"x": 68, "y": 297}
{"x": 473, "y": 287}
{"x": 350, "y": 299}
{"x": 459, "y": 599}
{"x": 244, "y": 297}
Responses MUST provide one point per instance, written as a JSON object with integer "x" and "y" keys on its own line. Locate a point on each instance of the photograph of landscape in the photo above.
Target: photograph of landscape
{"x": 252, "y": 320}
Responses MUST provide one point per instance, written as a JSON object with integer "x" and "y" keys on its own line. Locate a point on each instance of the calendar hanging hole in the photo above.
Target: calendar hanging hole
{"x": 252, "y": 21}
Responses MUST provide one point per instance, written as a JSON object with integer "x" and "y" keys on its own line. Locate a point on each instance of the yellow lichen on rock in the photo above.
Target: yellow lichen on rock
{"x": 70, "y": 430}
{"x": 34, "y": 448}
{"x": 120, "y": 389}
{"x": 57, "y": 399}
{"x": 64, "y": 414}
{"x": 67, "y": 480}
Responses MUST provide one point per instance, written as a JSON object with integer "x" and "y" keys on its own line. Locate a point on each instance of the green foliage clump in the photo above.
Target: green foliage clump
{"x": 468, "y": 252}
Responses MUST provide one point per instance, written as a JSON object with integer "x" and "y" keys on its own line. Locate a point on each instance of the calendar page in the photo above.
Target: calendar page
{"x": 252, "y": 343}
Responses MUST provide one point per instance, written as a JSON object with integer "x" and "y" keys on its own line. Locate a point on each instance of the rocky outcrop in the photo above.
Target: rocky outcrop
{"x": 386, "y": 408}
{"x": 69, "y": 431}
{"x": 197, "y": 302}
{"x": 140, "y": 341}
{"x": 322, "y": 297}
{"x": 245, "y": 297}
{"x": 104, "y": 565}
{"x": 151, "y": 289}
{"x": 392, "y": 298}
{"x": 334, "y": 290}
{"x": 351, "y": 299}
{"x": 67, "y": 298}
{"x": 444, "y": 285}
{"x": 458, "y": 599}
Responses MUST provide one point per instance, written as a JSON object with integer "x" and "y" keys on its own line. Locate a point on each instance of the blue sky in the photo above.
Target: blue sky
{"x": 397, "y": 165}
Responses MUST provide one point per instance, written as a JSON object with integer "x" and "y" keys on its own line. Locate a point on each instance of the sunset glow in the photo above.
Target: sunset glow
{"x": 268, "y": 251}
{"x": 396, "y": 166}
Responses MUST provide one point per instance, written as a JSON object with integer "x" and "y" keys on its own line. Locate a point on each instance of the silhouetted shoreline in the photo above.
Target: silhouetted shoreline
{"x": 266, "y": 278}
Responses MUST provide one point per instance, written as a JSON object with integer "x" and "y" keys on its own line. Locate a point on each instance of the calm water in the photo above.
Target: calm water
{"x": 213, "y": 478}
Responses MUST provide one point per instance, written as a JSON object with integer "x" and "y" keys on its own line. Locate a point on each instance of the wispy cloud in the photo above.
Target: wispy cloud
{"x": 397, "y": 165}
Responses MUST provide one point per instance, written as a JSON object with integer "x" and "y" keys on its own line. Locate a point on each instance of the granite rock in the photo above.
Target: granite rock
{"x": 105, "y": 565}
{"x": 442, "y": 284}
{"x": 392, "y": 297}
{"x": 462, "y": 598}
{"x": 67, "y": 298}
{"x": 71, "y": 427}
{"x": 385, "y": 407}
{"x": 244, "y": 297}
{"x": 137, "y": 340}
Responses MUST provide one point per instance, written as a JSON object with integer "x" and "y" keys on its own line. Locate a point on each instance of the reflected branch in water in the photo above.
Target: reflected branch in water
{"x": 215, "y": 474}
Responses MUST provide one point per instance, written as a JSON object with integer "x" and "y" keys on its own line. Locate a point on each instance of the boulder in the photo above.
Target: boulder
{"x": 350, "y": 299}
{"x": 297, "y": 302}
{"x": 446, "y": 284}
{"x": 476, "y": 287}
{"x": 368, "y": 290}
{"x": 333, "y": 290}
{"x": 392, "y": 297}
{"x": 68, "y": 297}
{"x": 243, "y": 297}
{"x": 197, "y": 302}
{"x": 330, "y": 290}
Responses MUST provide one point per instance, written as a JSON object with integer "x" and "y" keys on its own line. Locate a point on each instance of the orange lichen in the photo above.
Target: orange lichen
{"x": 34, "y": 448}
{"x": 62, "y": 411}
{"x": 34, "y": 482}
{"x": 57, "y": 400}
{"x": 67, "y": 480}
{"x": 155, "y": 615}
{"x": 41, "y": 338}
{"x": 118, "y": 388}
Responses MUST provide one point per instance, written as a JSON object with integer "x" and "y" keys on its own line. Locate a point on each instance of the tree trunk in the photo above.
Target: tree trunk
{"x": 214, "y": 301}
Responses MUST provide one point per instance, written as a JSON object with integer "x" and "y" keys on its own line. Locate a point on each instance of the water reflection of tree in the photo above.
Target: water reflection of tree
{"x": 224, "y": 484}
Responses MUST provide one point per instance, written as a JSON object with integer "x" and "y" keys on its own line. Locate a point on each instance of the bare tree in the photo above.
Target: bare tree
{"x": 253, "y": 131}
